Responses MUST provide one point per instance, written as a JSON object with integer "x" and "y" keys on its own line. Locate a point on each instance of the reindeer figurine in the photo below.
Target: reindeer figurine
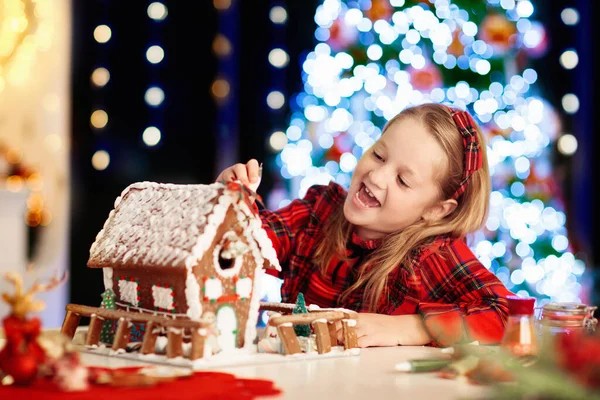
{"x": 22, "y": 354}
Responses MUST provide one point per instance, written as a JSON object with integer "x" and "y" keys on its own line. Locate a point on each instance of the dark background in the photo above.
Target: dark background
{"x": 199, "y": 135}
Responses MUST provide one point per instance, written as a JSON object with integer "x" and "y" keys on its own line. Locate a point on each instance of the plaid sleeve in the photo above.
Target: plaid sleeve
{"x": 283, "y": 225}
{"x": 464, "y": 301}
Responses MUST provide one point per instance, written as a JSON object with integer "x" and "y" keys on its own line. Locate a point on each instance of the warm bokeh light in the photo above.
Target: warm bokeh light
{"x": 100, "y": 76}
{"x": 221, "y": 45}
{"x": 33, "y": 219}
{"x": 220, "y": 88}
{"x": 99, "y": 119}
{"x": 222, "y": 4}
{"x": 102, "y": 33}
{"x": 35, "y": 202}
{"x": 35, "y": 182}
{"x": 157, "y": 11}
{"x": 14, "y": 183}
{"x": 100, "y": 160}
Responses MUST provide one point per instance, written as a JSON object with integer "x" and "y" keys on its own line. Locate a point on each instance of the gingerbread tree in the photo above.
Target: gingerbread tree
{"x": 301, "y": 330}
{"x": 107, "y": 334}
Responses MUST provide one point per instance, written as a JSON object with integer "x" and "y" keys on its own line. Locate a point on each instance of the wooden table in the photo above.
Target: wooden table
{"x": 370, "y": 375}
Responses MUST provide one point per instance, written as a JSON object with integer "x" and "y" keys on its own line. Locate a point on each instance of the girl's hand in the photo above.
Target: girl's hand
{"x": 248, "y": 174}
{"x": 389, "y": 330}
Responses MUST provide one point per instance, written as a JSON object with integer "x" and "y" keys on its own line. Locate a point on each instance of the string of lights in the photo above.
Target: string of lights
{"x": 100, "y": 77}
{"x": 155, "y": 96}
{"x": 278, "y": 61}
{"x": 567, "y": 142}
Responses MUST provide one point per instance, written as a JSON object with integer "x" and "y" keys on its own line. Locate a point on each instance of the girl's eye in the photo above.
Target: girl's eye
{"x": 401, "y": 181}
{"x": 377, "y": 156}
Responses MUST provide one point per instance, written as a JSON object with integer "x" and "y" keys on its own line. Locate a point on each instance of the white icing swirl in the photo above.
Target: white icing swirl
{"x": 108, "y": 275}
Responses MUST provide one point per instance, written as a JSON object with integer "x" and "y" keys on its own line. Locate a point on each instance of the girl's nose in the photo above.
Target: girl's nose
{"x": 377, "y": 177}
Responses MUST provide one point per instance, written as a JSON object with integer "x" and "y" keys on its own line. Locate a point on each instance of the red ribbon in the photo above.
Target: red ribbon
{"x": 473, "y": 157}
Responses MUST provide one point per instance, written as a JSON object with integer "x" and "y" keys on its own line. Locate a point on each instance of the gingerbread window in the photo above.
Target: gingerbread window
{"x": 129, "y": 291}
{"x": 243, "y": 288}
{"x": 213, "y": 289}
{"x": 162, "y": 297}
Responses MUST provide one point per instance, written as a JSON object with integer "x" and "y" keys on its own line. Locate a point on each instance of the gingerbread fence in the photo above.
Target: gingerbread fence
{"x": 324, "y": 324}
{"x": 153, "y": 326}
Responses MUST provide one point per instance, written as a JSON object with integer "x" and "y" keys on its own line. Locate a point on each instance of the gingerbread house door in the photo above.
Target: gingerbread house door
{"x": 227, "y": 326}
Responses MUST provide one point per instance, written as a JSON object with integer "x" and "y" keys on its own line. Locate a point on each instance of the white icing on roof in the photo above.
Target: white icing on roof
{"x": 168, "y": 225}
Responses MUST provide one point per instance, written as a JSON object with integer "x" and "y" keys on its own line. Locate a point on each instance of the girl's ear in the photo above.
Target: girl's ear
{"x": 439, "y": 210}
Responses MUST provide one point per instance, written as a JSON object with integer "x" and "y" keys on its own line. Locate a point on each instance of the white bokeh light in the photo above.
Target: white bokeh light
{"x": 155, "y": 54}
{"x": 275, "y": 100}
{"x": 567, "y": 144}
{"x": 570, "y": 16}
{"x": 157, "y": 11}
{"x": 569, "y": 59}
{"x": 154, "y": 96}
{"x": 278, "y": 15}
{"x": 278, "y": 58}
{"x": 570, "y": 103}
{"x": 151, "y": 136}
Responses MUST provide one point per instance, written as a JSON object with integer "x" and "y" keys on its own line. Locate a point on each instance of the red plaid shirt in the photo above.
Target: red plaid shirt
{"x": 458, "y": 298}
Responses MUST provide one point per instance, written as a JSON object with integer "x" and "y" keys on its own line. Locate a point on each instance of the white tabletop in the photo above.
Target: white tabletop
{"x": 370, "y": 375}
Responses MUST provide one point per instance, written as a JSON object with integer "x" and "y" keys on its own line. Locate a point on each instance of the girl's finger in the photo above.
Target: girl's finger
{"x": 241, "y": 173}
{"x": 226, "y": 176}
{"x": 252, "y": 168}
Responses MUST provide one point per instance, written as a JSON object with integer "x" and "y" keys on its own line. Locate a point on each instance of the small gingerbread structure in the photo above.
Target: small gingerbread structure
{"x": 181, "y": 258}
{"x": 324, "y": 325}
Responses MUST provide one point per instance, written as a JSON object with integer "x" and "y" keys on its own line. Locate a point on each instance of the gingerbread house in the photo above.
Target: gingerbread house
{"x": 187, "y": 252}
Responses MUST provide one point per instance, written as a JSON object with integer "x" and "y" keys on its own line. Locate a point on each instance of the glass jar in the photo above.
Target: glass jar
{"x": 519, "y": 334}
{"x": 557, "y": 318}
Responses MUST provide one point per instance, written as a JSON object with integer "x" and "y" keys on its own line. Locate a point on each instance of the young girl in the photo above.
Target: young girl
{"x": 393, "y": 247}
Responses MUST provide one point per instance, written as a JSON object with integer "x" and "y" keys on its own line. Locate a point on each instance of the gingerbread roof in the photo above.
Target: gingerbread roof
{"x": 168, "y": 225}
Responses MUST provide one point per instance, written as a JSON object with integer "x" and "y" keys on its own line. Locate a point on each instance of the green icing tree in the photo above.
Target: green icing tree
{"x": 107, "y": 334}
{"x": 301, "y": 330}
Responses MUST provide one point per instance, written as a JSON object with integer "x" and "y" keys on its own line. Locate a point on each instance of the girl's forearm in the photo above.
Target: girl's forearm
{"x": 412, "y": 331}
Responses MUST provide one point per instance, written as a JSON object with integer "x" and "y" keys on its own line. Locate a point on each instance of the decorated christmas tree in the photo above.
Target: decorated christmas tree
{"x": 107, "y": 334}
{"x": 376, "y": 57}
{"x": 301, "y": 330}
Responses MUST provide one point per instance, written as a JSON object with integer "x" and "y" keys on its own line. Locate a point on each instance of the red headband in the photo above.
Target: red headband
{"x": 473, "y": 156}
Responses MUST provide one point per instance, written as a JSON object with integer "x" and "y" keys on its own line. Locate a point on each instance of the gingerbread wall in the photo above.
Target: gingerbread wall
{"x": 206, "y": 270}
{"x": 146, "y": 277}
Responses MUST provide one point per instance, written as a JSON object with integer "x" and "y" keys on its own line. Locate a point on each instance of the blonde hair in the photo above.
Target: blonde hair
{"x": 396, "y": 248}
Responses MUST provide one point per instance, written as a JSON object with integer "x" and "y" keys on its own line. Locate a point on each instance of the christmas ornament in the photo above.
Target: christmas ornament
{"x": 22, "y": 353}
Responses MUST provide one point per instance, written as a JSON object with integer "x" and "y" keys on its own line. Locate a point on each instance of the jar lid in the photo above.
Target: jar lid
{"x": 570, "y": 308}
{"x": 520, "y": 305}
